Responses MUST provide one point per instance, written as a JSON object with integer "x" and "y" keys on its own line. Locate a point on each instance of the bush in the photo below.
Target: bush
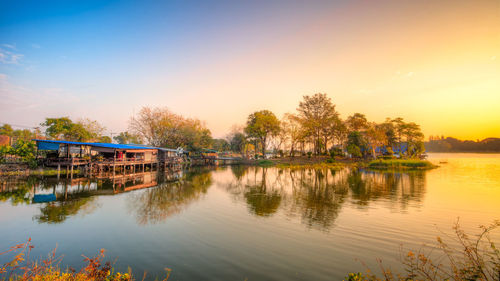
{"x": 309, "y": 154}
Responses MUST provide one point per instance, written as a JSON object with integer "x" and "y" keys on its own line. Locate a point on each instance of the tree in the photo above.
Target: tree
{"x": 64, "y": 128}
{"x": 57, "y": 128}
{"x": 317, "y": 112}
{"x": 77, "y": 132}
{"x": 290, "y": 125}
{"x": 92, "y": 127}
{"x": 162, "y": 128}
{"x": 375, "y": 136}
{"x": 220, "y": 145}
{"x": 355, "y": 142}
{"x": 127, "y": 138}
{"x": 105, "y": 139}
{"x": 339, "y": 131}
{"x": 261, "y": 125}
{"x": 357, "y": 122}
{"x": 24, "y": 134}
{"x": 237, "y": 142}
{"x": 414, "y": 139}
{"x": 6, "y": 130}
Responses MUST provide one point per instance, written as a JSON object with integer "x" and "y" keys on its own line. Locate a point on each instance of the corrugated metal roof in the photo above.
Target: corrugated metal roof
{"x": 100, "y": 144}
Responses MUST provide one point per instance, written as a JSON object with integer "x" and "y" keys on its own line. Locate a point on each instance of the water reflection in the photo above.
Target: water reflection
{"x": 316, "y": 196}
{"x": 157, "y": 204}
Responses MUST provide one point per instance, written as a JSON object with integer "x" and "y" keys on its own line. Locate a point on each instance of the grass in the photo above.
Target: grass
{"x": 22, "y": 268}
{"x": 316, "y": 166}
{"x": 401, "y": 164}
{"x": 328, "y": 163}
{"x": 44, "y": 172}
{"x": 265, "y": 162}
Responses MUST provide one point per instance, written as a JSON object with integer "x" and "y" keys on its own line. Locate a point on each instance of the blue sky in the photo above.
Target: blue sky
{"x": 220, "y": 60}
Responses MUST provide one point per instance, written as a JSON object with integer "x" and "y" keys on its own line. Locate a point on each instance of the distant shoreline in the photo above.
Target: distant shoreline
{"x": 468, "y": 152}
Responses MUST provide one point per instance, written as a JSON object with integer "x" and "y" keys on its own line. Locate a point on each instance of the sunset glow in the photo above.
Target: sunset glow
{"x": 436, "y": 63}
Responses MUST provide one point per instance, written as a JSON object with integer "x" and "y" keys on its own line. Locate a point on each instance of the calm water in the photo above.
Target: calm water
{"x": 233, "y": 223}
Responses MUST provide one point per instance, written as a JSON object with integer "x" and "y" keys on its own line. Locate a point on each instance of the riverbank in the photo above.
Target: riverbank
{"x": 300, "y": 162}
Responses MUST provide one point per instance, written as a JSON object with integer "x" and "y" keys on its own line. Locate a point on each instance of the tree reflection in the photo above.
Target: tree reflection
{"x": 260, "y": 200}
{"x": 397, "y": 188}
{"x": 316, "y": 196}
{"x": 57, "y": 212}
{"x": 156, "y": 204}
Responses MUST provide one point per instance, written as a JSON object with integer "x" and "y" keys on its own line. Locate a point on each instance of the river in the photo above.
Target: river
{"x": 237, "y": 222}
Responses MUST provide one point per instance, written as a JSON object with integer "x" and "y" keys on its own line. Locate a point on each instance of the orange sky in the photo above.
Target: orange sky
{"x": 438, "y": 67}
{"x": 436, "y": 63}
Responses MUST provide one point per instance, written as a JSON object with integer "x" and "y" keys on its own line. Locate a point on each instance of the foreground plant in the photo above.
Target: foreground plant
{"x": 22, "y": 268}
{"x": 474, "y": 259}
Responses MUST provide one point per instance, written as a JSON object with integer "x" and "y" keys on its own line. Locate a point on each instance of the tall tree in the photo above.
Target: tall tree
{"x": 163, "y": 128}
{"x": 317, "y": 112}
{"x": 291, "y": 126}
{"x": 376, "y": 137}
{"x": 261, "y": 125}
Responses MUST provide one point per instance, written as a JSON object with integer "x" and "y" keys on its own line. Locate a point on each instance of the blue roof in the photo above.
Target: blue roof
{"x": 99, "y": 144}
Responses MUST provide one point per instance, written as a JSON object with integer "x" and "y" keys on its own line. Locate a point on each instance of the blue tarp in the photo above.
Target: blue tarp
{"x": 47, "y": 146}
{"x": 42, "y": 198}
{"x": 96, "y": 144}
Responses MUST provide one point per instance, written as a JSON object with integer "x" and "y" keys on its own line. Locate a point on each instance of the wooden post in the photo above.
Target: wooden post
{"x": 114, "y": 163}
{"x": 58, "y": 170}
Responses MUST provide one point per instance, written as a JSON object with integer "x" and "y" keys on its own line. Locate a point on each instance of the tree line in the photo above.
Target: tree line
{"x": 315, "y": 128}
{"x": 442, "y": 144}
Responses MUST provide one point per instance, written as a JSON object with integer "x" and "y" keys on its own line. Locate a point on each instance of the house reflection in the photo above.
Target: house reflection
{"x": 63, "y": 198}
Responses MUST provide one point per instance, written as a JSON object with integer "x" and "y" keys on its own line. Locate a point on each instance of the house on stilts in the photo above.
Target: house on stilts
{"x": 106, "y": 157}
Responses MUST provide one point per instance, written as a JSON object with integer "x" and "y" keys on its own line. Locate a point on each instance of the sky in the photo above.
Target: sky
{"x": 436, "y": 63}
